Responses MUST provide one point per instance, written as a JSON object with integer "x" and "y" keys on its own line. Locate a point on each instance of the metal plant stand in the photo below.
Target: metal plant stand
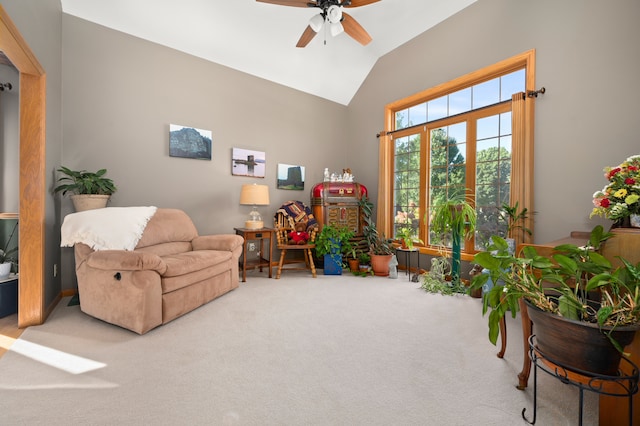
{"x": 621, "y": 385}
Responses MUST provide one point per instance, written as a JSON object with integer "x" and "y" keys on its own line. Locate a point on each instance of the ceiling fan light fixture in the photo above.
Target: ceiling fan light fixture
{"x": 316, "y": 22}
{"x": 336, "y": 28}
{"x": 334, "y": 14}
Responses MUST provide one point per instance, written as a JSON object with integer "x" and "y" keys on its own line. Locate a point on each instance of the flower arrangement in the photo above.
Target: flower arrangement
{"x": 620, "y": 197}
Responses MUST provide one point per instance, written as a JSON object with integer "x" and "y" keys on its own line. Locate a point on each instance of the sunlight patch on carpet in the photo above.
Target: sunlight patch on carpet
{"x": 64, "y": 361}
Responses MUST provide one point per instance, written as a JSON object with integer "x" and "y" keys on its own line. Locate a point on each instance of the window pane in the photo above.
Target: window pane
{"x": 493, "y": 174}
{"x": 437, "y": 109}
{"x": 401, "y": 145}
{"x": 418, "y": 114}
{"x": 402, "y": 119}
{"x": 460, "y": 101}
{"x": 407, "y": 181}
{"x": 488, "y": 127}
{"x": 458, "y": 133}
{"x": 486, "y": 93}
{"x": 511, "y": 83}
{"x": 448, "y": 168}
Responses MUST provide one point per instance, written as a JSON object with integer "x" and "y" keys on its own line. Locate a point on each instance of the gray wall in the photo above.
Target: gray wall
{"x": 40, "y": 24}
{"x": 9, "y": 140}
{"x": 587, "y": 59}
{"x": 121, "y": 94}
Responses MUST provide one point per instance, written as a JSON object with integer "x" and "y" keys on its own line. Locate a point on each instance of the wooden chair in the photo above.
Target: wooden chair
{"x": 286, "y": 217}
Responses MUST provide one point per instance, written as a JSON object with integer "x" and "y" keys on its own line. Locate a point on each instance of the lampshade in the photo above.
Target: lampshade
{"x": 255, "y": 195}
{"x": 336, "y": 28}
{"x": 334, "y": 14}
{"x": 316, "y": 22}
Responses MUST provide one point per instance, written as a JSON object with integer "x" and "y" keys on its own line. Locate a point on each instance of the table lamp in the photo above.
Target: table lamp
{"x": 254, "y": 195}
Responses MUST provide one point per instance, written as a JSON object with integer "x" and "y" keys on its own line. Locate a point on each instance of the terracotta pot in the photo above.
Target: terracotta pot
{"x": 354, "y": 265}
{"x": 576, "y": 344}
{"x": 380, "y": 264}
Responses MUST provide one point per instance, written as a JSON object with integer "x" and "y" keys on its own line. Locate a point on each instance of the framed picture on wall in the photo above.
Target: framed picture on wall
{"x": 245, "y": 162}
{"x": 290, "y": 177}
{"x": 189, "y": 142}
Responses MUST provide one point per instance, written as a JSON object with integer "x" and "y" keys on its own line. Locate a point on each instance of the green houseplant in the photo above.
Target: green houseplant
{"x": 84, "y": 185}
{"x": 406, "y": 235}
{"x": 456, "y": 217}
{"x": 381, "y": 250}
{"x": 514, "y": 218}
{"x": 576, "y": 285}
{"x": 329, "y": 243}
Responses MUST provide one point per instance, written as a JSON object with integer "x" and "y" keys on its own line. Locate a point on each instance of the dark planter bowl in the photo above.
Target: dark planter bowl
{"x": 578, "y": 345}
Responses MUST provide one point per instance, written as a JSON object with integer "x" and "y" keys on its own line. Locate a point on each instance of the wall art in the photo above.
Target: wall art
{"x": 290, "y": 177}
{"x": 245, "y": 162}
{"x": 189, "y": 142}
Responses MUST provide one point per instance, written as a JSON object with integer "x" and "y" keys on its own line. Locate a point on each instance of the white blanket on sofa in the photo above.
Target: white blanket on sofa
{"x": 110, "y": 228}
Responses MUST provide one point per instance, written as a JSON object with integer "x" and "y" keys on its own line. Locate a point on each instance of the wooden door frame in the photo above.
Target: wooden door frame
{"x": 32, "y": 172}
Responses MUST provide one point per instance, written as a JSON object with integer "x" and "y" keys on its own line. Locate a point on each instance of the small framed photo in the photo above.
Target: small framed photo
{"x": 189, "y": 142}
{"x": 290, "y": 177}
{"x": 245, "y": 162}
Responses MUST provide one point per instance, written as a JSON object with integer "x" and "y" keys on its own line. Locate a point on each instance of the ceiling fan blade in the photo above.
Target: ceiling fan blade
{"x": 355, "y": 30}
{"x": 358, "y": 3}
{"x": 293, "y": 3}
{"x": 306, "y": 37}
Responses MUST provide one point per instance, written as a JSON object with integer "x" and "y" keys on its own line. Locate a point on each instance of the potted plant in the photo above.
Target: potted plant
{"x": 380, "y": 250}
{"x": 329, "y": 245}
{"x": 7, "y": 260}
{"x": 407, "y": 237}
{"x": 90, "y": 190}
{"x": 366, "y": 217}
{"x": 576, "y": 291}
{"x": 515, "y": 218}
{"x": 364, "y": 260}
{"x": 457, "y": 217}
{"x": 350, "y": 252}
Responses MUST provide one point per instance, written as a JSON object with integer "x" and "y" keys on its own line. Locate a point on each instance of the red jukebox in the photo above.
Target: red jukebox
{"x": 337, "y": 203}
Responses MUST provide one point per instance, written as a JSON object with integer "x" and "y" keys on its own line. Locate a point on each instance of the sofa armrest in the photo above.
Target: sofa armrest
{"x": 126, "y": 261}
{"x": 223, "y": 242}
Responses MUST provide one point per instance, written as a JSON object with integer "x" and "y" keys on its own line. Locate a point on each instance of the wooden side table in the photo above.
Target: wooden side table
{"x": 256, "y": 235}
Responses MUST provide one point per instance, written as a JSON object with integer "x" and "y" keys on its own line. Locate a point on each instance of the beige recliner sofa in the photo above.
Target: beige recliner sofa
{"x": 171, "y": 271}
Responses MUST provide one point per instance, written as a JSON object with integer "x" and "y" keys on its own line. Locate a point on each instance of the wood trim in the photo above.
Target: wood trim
{"x": 525, "y": 59}
{"x": 32, "y": 172}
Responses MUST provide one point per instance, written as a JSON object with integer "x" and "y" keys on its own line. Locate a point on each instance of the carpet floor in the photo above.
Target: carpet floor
{"x": 335, "y": 350}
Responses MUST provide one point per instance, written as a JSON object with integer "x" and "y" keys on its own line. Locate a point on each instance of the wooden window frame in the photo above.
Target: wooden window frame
{"x": 385, "y": 218}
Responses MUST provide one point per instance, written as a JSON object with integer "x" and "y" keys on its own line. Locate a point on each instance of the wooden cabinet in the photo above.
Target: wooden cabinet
{"x": 615, "y": 411}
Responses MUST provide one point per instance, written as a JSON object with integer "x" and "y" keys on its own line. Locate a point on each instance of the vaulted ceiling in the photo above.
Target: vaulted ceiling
{"x": 260, "y": 39}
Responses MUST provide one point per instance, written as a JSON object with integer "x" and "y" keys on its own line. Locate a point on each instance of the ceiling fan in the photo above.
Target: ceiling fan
{"x": 331, "y": 15}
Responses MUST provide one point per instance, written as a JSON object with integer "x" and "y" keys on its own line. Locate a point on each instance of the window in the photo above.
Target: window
{"x": 458, "y": 138}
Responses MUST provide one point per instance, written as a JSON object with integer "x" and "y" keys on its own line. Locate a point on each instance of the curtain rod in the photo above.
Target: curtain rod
{"x": 534, "y": 93}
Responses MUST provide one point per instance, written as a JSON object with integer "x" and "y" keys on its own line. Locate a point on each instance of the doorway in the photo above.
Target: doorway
{"x": 32, "y": 172}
